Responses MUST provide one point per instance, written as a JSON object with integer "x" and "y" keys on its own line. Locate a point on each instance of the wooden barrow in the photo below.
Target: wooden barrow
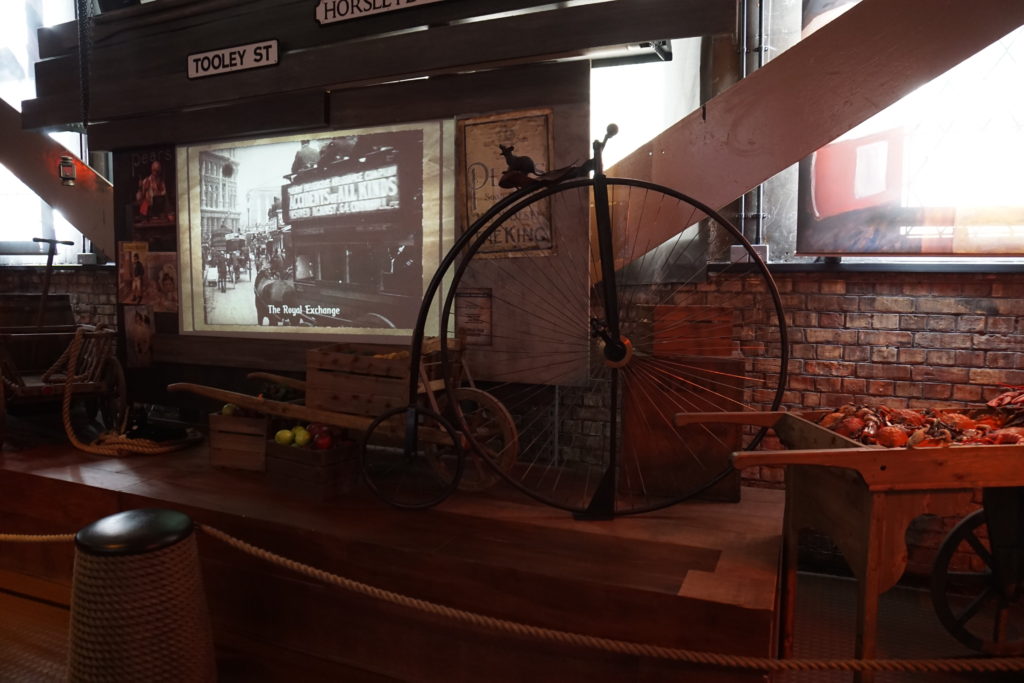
{"x": 864, "y": 498}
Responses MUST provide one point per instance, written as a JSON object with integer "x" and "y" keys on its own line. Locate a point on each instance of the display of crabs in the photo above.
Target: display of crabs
{"x": 902, "y": 427}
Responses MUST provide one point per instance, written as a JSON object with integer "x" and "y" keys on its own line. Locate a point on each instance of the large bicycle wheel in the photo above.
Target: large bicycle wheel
{"x": 702, "y": 334}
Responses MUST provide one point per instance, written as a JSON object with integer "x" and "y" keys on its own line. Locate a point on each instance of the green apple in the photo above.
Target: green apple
{"x": 301, "y": 437}
{"x": 284, "y": 437}
{"x": 229, "y": 409}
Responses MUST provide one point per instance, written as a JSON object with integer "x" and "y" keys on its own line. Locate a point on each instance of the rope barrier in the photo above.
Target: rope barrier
{"x": 726, "y": 661}
{"x": 620, "y": 646}
{"x": 36, "y": 538}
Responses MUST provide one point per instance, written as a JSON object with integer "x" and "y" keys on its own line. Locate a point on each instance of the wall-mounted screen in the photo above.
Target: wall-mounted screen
{"x": 327, "y": 233}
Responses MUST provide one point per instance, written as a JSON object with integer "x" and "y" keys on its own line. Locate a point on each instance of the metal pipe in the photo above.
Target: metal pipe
{"x": 759, "y": 223}
{"x": 758, "y": 193}
{"x": 744, "y": 37}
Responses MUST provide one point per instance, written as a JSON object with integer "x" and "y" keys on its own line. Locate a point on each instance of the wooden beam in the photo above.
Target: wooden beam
{"x": 288, "y": 355}
{"x": 165, "y": 32}
{"x": 207, "y": 21}
{"x": 534, "y": 37}
{"x": 258, "y": 116}
{"x": 823, "y": 86}
{"x": 448, "y": 96}
{"x": 34, "y": 157}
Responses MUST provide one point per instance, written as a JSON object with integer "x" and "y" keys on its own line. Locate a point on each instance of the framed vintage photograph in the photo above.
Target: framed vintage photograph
{"x": 483, "y": 146}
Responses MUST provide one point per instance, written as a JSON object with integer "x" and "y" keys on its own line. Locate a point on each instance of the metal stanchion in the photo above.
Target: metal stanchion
{"x": 138, "y": 610}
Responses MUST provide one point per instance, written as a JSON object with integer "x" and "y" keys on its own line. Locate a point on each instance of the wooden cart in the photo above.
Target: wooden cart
{"x": 364, "y": 388}
{"x": 37, "y": 351}
{"x": 864, "y": 499}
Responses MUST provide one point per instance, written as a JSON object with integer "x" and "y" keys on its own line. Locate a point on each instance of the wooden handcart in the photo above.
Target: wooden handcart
{"x": 864, "y": 499}
{"x": 35, "y": 362}
{"x": 364, "y": 388}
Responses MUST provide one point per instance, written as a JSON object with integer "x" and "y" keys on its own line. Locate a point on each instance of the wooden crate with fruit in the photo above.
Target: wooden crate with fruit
{"x": 315, "y": 461}
{"x": 238, "y": 440}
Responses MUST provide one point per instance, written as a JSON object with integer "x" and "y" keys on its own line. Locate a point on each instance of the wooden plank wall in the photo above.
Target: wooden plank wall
{"x": 138, "y": 57}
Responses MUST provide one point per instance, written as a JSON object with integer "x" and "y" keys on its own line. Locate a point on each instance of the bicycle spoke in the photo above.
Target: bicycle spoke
{"x": 552, "y": 356}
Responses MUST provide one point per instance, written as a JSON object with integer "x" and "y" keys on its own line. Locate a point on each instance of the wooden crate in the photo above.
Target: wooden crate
{"x": 238, "y": 442}
{"x": 347, "y": 378}
{"x": 317, "y": 475}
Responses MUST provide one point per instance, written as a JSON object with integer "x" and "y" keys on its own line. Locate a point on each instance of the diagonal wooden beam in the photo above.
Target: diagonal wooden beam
{"x": 33, "y": 157}
{"x": 823, "y": 86}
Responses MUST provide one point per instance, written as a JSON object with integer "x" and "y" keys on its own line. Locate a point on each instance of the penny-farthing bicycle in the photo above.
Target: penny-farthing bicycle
{"x": 636, "y": 314}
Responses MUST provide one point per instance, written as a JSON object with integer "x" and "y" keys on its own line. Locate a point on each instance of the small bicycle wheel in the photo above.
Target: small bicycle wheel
{"x": 979, "y": 608}
{"x": 411, "y": 457}
{"x": 701, "y": 334}
{"x": 479, "y": 414}
{"x": 113, "y": 402}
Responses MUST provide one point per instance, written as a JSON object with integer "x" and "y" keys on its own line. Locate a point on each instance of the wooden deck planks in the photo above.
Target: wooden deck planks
{"x": 698, "y": 575}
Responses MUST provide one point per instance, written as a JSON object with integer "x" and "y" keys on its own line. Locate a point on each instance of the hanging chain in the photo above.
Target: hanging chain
{"x": 83, "y": 10}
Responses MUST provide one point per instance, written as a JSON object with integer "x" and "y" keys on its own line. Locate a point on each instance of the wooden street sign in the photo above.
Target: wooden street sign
{"x": 228, "y": 59}
{"x": 331, "y": 11}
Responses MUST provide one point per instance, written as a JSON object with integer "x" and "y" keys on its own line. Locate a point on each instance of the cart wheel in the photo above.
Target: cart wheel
{"x": 494, "y": 443}
{"x": 698, "y": 333}
{"x": 411, "y": 458}
{"x": 972, "y": 605}
{"x": 114, "y": 399}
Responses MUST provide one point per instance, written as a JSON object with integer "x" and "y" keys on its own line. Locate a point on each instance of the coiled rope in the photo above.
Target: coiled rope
{"x": 113, "y": 442}
{"x": 965, "y": 665}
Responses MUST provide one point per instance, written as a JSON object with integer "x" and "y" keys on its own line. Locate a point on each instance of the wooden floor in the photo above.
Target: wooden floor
{"x": 698, "y": 575}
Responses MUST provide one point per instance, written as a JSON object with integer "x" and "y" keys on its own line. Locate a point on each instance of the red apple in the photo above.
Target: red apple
{"x": 315, "y": 428}
{"x": 323, "y": 441}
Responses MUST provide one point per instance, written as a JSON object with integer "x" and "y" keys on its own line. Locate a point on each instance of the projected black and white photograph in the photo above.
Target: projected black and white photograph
{"x": 313, "y": 232}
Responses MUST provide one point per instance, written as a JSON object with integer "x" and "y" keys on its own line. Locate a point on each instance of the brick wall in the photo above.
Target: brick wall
{"x": 93, "y": 290}
{"x": 912, "y": 340}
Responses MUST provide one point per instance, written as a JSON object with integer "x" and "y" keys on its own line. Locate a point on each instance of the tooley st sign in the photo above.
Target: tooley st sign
{"x": 237, "y": 58}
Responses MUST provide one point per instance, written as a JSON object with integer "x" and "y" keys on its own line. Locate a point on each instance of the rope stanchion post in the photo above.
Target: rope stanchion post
{"x": 138, "y": 609}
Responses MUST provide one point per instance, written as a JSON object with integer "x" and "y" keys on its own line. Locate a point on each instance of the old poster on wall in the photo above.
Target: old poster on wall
{"x": 473, "y": 316}
{"x": 139, "y": 329}
{"x": 145, "y": 181}
{"x": 131, "y": 271}
{"x": 484, "y": 148}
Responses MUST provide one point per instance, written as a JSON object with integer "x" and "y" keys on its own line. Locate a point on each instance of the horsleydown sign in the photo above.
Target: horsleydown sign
{"x": 330, "y": 11}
